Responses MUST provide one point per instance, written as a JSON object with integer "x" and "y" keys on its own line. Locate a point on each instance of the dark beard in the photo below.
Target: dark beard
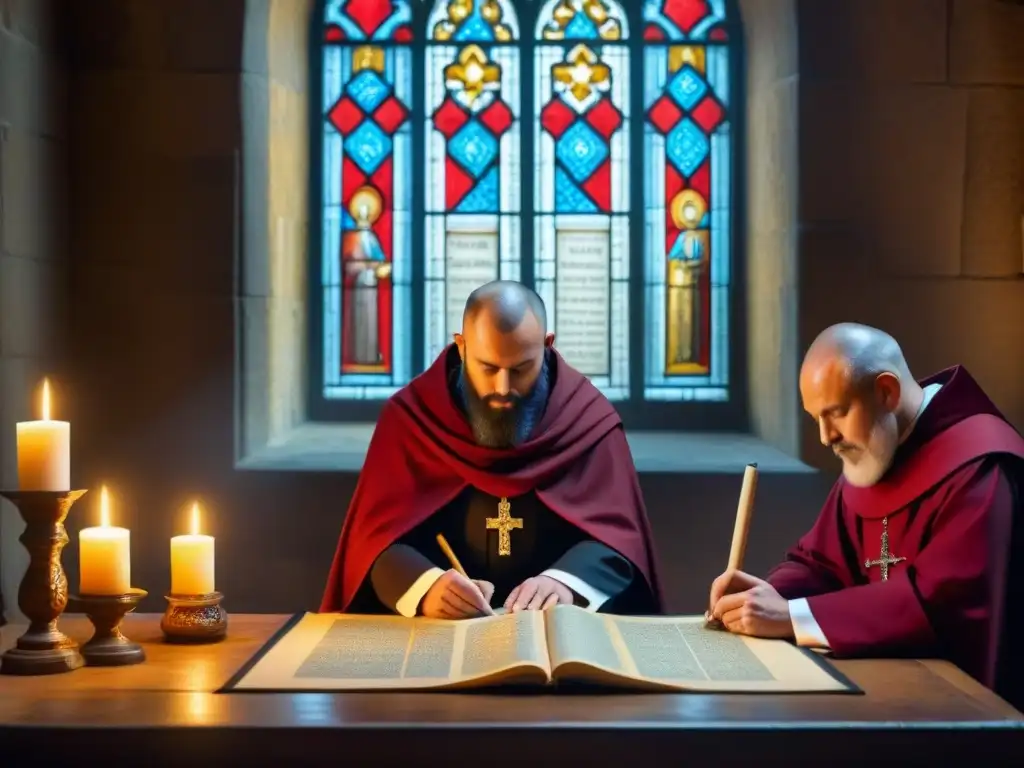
{"x": 493, "y": 427}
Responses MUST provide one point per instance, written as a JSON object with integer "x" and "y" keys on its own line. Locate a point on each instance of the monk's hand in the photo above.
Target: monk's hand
{"x": 453, "y": 596}
{"x": 759, "y": 611}
{"x": 729, "y": 583}
{"x": 486, "y": 589}
{"x": 537, "y": 594}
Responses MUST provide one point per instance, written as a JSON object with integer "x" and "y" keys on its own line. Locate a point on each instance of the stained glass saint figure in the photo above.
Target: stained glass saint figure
{"x": 366, "y": 272}
{"x": 688, "y": 261}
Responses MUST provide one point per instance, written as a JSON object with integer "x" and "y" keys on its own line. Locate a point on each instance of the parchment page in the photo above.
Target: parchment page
{"x": 339, "y": 652}
{"x": 676, "y": 653}
{"x": 497, "y": 643}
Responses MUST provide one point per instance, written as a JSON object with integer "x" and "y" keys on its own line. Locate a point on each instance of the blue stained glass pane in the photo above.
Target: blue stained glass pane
{"x": 687, "y": 87}
{"x": 687, "y": 147}
{"x": 484, "y": 196}
{"x": 448, "y": 21}
{"x": 474, "y": 147}
{"x": 581, "y": 150}
{"x": 569, "y": 198}
{"x": 368, "y": 90}
{"x": 368, "y": 146}
{"x": 551, "y": 24}
{"x": 677, "y": 248}
{"x": 475, "y": 28}
{"x": 581, "y": 28}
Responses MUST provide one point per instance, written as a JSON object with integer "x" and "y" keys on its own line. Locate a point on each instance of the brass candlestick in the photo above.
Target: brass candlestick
{"x": 108, "y": 646}
{"x": 43, "y": 594}
{"x": 194, "y": 619}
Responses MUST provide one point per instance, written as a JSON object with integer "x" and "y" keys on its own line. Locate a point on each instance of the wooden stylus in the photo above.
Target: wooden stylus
{"x": 744, "y": 511}
{"x": 443, "y": 542}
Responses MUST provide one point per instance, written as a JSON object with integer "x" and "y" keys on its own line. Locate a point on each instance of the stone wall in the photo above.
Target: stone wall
{"x": 772, "y": 165}
{"x": 275, "y": 117}
{"x": 912, "y": 182}
{"x": 33, "y": 243}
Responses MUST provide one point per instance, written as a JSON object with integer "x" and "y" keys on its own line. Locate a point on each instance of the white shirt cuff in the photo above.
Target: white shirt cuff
{"x": 595, "y": 599}
{"x": 409, "y": 603}
{"x": 806, "y": 631}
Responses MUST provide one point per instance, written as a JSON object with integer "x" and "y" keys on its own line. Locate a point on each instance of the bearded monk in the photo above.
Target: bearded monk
{"x": 912, "y": 554}
{"x": 522, "y": 465}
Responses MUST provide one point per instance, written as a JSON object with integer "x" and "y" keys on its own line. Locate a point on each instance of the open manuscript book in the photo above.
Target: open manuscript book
{"x": 343, "y": 652}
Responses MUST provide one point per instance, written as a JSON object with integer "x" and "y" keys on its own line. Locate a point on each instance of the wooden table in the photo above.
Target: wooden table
{"x": 164, "y": 712}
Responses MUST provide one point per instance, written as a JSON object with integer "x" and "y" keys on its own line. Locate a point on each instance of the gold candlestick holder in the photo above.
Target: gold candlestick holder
{"x": 108, "y": 646}
{"x": 43, "y": 594}
{"x": 194, "y": 619}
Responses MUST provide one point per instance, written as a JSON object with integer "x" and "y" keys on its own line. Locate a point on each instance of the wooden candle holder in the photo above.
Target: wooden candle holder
{"x": 194, "y": 619}
{"x": 108, "y": 647}
{"x": 43, "y": 594}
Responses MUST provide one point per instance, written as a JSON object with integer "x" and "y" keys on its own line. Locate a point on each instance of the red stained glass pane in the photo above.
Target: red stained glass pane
{"x": 685, "y": 14}
{"x": 367, "y": 20}
{"x": 449, "y": 118}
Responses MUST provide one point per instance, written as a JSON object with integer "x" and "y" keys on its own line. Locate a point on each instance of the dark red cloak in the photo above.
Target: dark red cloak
{"x": 423, "y": 454}
{"x": 949, "y": 499}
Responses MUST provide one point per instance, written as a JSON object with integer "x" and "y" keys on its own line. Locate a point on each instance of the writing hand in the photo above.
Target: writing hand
{"x": 759, "y": 611}
{"x": 729, "y": 583}
{"x": 453, "y": 596}
{"x": 486, "y": 589}
{"x": 538, "y": 593}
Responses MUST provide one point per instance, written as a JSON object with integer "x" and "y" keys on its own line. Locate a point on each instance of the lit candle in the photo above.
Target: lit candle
{"x": 104, "y": 558}
{"x": 192, "y": 561}
{"x": 44, "y": 451}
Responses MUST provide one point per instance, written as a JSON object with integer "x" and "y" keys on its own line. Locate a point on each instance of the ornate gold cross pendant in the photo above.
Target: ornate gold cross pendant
{"x": 504, "y": 523}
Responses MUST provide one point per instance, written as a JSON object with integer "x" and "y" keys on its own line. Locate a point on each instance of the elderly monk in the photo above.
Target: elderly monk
{"x": 911, "y": 554}
{"x": 523, "y": 466}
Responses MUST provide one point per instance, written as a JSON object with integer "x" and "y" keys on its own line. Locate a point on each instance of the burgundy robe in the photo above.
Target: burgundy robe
{"x": 423, "y": 454}
{"x": 951, "y": 499}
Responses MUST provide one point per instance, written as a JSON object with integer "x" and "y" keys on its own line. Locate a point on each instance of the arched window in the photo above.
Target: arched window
{"x": 585, "y": 147}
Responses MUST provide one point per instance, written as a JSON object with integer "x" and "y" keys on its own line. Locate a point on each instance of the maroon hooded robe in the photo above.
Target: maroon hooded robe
{"x": 952, "y": 506}
{"x": 423, "y": 455}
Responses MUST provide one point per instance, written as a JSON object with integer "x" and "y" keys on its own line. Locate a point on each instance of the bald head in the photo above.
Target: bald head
{"x": 855, "y": 382}
{"x": 858, "y": 352}
{"x": 506, "y": 304}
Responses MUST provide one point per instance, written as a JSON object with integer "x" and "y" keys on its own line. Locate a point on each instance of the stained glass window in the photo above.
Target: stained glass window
{"x": 688, "y": 197}
{"x": 367, "y": 159}
{"x": 623, "y": 224}
{"x": 582, "y": 185}
{"x": 473, "y": 171}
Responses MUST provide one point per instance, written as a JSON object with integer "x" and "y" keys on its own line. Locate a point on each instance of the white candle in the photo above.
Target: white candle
{"x": 104, "y": 556}
{"x": 44, "y": 451}
{"x": 192, "y": 561}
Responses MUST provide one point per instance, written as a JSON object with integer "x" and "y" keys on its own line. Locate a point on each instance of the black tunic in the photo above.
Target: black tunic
{"x": 546, "y": 541}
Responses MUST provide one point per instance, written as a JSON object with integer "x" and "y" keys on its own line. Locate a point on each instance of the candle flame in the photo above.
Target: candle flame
{"x": 104, "y": 507}
{"x": 46, "y": 400}
{"x": 195, "y": 518}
